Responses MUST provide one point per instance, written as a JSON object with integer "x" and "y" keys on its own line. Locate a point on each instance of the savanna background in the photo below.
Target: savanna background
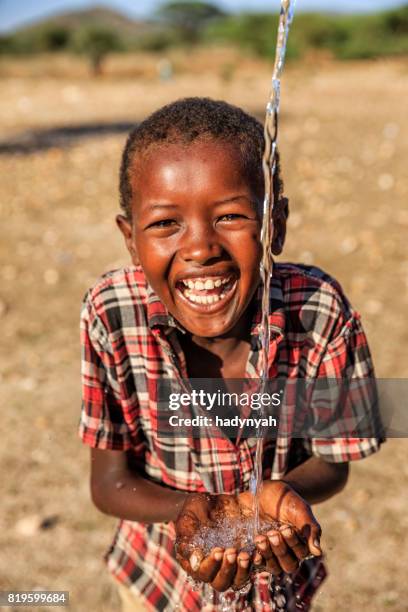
{"x": 71, "y": 88}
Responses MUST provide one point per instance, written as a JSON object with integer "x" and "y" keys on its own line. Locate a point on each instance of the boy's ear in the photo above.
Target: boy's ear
{"x": 279, "y": 226}
{"x": 125, "y": 227}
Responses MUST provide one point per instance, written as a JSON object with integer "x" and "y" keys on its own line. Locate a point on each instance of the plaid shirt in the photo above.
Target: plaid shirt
{"x": 130, "y": 341}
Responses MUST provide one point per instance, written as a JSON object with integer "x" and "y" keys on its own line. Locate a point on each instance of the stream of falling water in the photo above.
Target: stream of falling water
{"x": 228, "y": 601}
{"x": 226, "y": 535}
{"x": 269, "y": 167}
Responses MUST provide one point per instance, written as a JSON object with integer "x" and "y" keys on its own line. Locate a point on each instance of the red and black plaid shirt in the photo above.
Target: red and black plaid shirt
{"x": 130, "y": 341}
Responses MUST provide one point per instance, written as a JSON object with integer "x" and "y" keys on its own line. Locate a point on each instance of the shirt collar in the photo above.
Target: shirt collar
{"x": 158, "y": 315}
{"x": 277, "y": 319}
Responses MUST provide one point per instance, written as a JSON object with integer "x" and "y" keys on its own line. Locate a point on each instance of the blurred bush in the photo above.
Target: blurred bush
{"x": 96, "y": 43}
{"x": 198, "y": 22}
{"x": 45, "y": 38}
{"x": 188, "y": 18}
{"x": 345, "y": 37}
{"x": 255, "y": 32}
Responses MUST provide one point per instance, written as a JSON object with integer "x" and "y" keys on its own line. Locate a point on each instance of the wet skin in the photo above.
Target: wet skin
{"x": 278, "y": 551}
{"x": 196, "y": 217}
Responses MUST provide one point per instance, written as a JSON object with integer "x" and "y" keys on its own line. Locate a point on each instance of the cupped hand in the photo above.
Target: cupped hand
{"x": 298, "y": 535}
{"x": 221, "y": 568}
{"x": 279, "y": 550}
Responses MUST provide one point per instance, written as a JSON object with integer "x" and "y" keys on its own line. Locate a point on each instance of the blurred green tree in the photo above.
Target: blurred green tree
{"x": 188, "y": 18}
{"x": 7, "y": 44}
{"x": 397, "y": 21}
{"x": 96, "y": 42}
{"x": 254, "y": 32}
{"x": 53, "y": 38}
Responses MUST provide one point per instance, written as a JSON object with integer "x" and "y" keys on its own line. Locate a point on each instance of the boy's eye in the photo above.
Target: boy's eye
{"x": 231, "y": 217}
{"x": 163, "y": 223}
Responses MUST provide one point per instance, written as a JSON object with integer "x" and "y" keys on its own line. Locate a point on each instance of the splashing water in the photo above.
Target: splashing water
{"x": 230, "y": 533}
{"x": 269, "y": 169}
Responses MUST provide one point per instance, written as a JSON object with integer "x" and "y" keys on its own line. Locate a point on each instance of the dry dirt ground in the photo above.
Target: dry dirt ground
{"x": 344, "y": 148}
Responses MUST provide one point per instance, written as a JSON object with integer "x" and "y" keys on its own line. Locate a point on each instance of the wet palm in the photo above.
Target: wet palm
{"x": 296, "y": 535}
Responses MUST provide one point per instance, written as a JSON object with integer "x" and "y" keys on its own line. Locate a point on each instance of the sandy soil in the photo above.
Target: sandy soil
{"x": 344, "y": 148}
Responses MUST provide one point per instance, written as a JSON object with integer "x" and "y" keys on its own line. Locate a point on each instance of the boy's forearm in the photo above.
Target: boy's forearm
{"x": 118, "y": 489}
{"x": 316, "y": 480}
{"x": 134, "y": 498}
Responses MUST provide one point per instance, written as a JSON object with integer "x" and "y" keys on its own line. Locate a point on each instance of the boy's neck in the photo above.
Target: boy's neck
{"x": 224, "y": 356}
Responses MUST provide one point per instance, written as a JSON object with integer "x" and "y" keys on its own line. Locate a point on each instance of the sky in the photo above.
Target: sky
{"x": 15, "y": 13}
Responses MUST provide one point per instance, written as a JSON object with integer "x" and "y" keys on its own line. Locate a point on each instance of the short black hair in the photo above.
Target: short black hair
{"x": 190, "y": 119}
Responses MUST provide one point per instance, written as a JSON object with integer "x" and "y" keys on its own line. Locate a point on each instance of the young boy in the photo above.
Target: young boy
{"x": 192, "y": 189}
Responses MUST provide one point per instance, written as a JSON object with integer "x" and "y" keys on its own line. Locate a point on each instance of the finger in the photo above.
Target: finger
{"x": 257, "y": 559}
{"x": 286, "y": 559}
{"x": 273, "y": 567}
{"x": 210, "y": 566}
{"x": 314, "y": 539}
{"x": 242, "y": 575}
{"x": 298, "y": 547}
{"x": 195, "y": 560}
{"x": 187, "y": 559}
{"x": 185, "y": 565}
{"x": 306, "y": 524}
{"x": 312, "y": 533}
{"x": 183, "y": 549}
{"x": 271, "y": 563}
{"x": 225, "y": 576}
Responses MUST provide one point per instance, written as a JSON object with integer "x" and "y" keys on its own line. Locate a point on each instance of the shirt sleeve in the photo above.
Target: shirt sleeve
{"x": 345, "y": 422}
{"x": 103, "y": 423}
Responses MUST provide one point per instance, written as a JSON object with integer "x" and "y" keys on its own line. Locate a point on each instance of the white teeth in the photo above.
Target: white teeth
{"x": 191, "y": 288}
{"x": 205, "y": 284}
{"x": 203, "y": 299}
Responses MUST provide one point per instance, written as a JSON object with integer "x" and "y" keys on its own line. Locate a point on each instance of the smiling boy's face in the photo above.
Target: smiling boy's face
{"x": 195, "y": 231}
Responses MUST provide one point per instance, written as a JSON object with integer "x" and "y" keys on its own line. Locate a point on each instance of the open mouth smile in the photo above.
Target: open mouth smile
{"x": 208, "y": 293}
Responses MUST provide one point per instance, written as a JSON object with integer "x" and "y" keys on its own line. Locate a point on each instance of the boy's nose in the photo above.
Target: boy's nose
{"x": 200, "y": 247}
